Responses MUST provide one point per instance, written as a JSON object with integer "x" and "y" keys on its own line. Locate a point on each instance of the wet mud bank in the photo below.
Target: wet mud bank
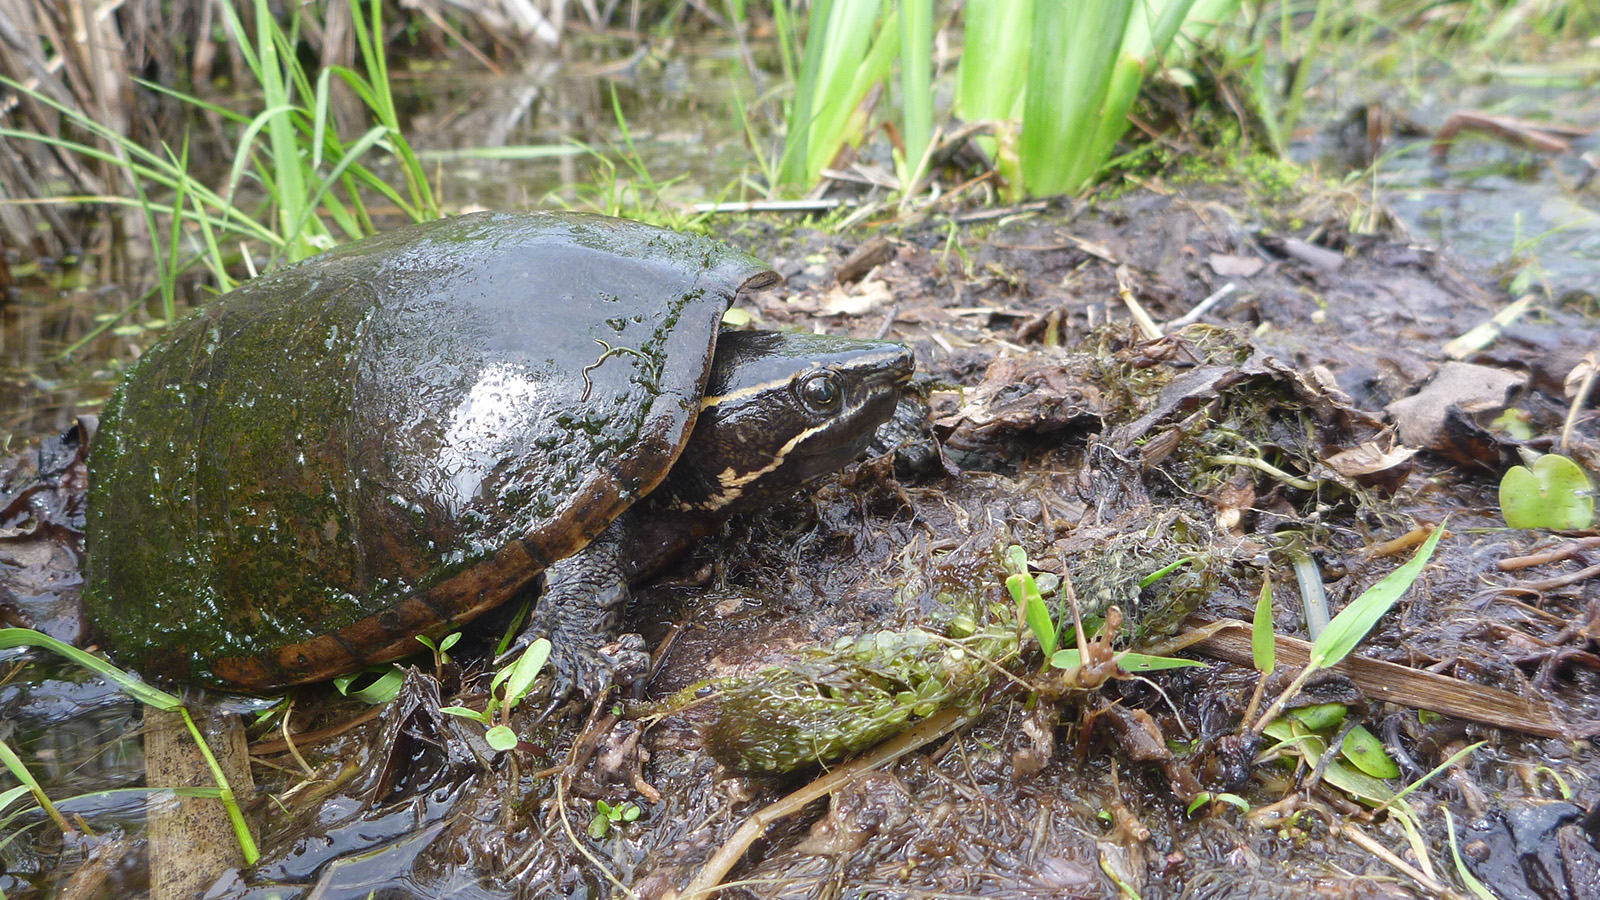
{"x": 1222, "y": 377}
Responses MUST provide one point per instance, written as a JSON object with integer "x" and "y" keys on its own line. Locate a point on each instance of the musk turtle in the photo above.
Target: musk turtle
{"x": 394, "y": 436}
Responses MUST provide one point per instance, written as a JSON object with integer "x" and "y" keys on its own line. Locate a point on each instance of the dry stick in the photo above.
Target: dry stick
{"x": 1578, "y": 401}
{"x": 1147, "y": 325}
{"x": 308, "y": 738}
{"x": 1361, "y": 838}
{"x": 1550, "y": 584}
{"x": 717, "y": 867}
{"x": 1553, "y": 554}
{"x": 1230, "y": 640}
{"x": 1201, "y": 308}
{"x": 744, "y": 206}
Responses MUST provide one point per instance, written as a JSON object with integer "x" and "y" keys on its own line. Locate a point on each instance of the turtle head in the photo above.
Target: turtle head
{"x": 780, "y": 410}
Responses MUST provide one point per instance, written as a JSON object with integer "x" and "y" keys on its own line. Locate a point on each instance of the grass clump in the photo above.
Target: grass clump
{"x": 296, "y": 184}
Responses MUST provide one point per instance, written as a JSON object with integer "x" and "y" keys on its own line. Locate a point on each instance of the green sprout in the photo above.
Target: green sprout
{"x": 517, "y": 679}
{"x": 1028, "y": 591}
{"x": 606, "y": 815}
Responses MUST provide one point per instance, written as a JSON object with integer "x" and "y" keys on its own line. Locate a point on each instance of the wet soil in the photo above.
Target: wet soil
{"x": 1104, "y": 453}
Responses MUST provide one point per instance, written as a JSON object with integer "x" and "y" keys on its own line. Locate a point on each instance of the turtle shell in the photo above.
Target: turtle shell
{"x": 392, "y": 437}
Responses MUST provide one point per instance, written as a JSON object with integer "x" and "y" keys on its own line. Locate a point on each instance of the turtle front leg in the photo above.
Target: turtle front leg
{"x": 583, "y": 597}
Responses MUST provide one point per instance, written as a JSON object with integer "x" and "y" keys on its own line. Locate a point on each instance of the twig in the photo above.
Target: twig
{"x": 1147, "y": 325}
{"x": 1561, "y": 581}
{"x": 711, "y": 874}
{"x": 743, "y": 206}
{"x": 984, "y": 215}
{"x": 1579, "y": 401}
{"x": 1360, "y": 838}
{"x": 1394, "y": 683}
{"x": 1553, "y": 554}
{"x": 1201, "y": 308}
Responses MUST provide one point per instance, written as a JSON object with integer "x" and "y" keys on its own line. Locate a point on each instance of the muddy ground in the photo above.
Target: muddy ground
{"x": 1106, "y": 455}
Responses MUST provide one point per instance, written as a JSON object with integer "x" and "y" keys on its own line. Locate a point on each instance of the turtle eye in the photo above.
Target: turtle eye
{"x": 820, "y": 392}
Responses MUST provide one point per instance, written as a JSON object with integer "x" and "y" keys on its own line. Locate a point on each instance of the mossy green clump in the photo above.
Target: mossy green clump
{"x": 862, "y": 690}
{"x": 1109, "y": 566}
{"x": 857, "y": 693}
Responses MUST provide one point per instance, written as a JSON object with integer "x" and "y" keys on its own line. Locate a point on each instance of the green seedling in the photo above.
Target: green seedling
{"x": 1298, "y": 741}
{"x": 1552, "y": 492}
{"x": 441, "y": 657}
{"x": 1206, "y": 798}
{"x": 516, "y": 680}
{"x": 606, "y": 816}
{"x": 1306, "y": 732}
{"x": 1028, "y": 591}
{"x": 1467, "y": 878}
{"x": 1031, "y": 609}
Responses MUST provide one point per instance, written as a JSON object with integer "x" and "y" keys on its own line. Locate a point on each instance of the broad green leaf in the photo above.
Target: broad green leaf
{"x": 1366, "y": 753}
{"x": 1234, "y": 799}
{"x": 1320, "y": 717}
{"x": 1031, "y": 606}
{"x": 916, "y": 91}
{"x": 385, "y": 687}
{"x": 1356, "y": 784}
{"x": 1353, "y": 622}
{"x": 524, "y": 671}
{"x": 1075, "y": 48}
{"x": 1553, "y": 493}
{"x": 501, "y": 737}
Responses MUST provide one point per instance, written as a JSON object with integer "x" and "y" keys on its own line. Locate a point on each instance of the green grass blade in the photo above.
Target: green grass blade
{"x": 287, "y": 183}
{"x": 1352, "y": 624}
{"x": 169, "y": 281}
{"x": 241, "y": 829}
{"x": 373, "y": 135}
{"x": 129, "y": 683}
{"x": 797, "y": 138}
{"x": 994, "y": 63}
{"x": 1263, "y": 646}
{"x": 13, "y": 764}
{"x": 1075, "y": 47}
{"x": 1150, "y": 30}
{"x": 849, "y": 77}
{"x": 247, "y": 147}
{"x": 184, "y": 99}
{"x": 916, "y": 84}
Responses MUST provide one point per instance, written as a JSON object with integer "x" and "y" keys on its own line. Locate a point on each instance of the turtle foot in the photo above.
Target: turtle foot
{"x": 584, "y": 666}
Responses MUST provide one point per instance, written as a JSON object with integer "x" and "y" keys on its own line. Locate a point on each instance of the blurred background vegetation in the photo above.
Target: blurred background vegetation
{"x": 154, "y": 138}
